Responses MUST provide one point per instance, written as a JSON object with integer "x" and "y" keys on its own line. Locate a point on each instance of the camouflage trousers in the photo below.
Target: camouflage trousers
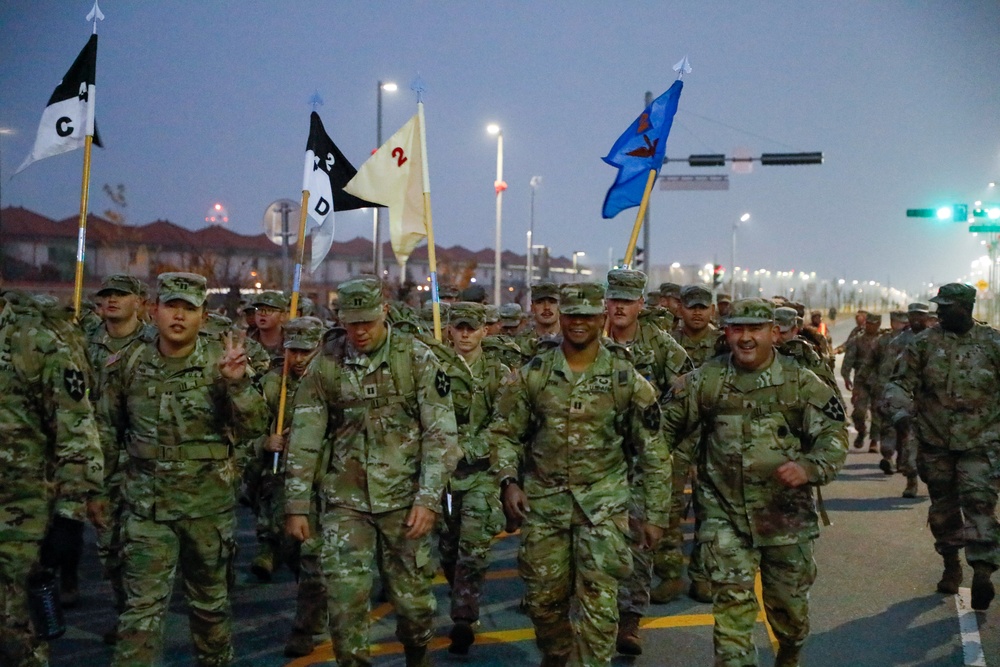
{"x": 203, "y": 548}
{"x": 572, "y": 569}
{"x": 668, "y": 558}
{"x": 786, "y": 572}
{"x": 633, "y": 591}
{"x": 963, "y": 487}
{"x": 894, "y": 443}
{"x": 109, "y": 545}
{"x": 18, "y": 645}
{"x": 269, "y": 508}
{"x": 353, "y": 542}
{"x": 468, "y": 529}
{"x": 862, "y": 404}
{"x": 310, "y": 597}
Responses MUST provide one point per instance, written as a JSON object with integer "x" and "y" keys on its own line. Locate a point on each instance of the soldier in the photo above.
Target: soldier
{"x": 771, "y": 431}
{"x": 696, "y": 334}
{"x": 946, "y": 384}
{"x": 173, "y": 405}
{"x": 374, "y": 427}
{"x": 567, "y": 420}
{"x": 670, "y": 298}
{"x": 448, "y": 294}
{"x": 545, "y": 310}
{"x": 661, "y": 360}
{"x": 861, "y": 356}
{"x": 270, "y": 313}
{"x": 723, "y": 303}
{"x": 492, "y": 320}
{"x": 302, "y": 337}
{"x": 886, "y": 355}
{"x": 53, "y": 463}
{"x": 472, "y": 513}
{"x": 791, "y": 344}
{"x": 511, "y": 319}
{"x": 475, "y": 293}
{"x": 859, "y": 326}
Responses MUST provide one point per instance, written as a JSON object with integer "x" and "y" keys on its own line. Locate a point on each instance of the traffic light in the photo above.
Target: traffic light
{"x": 717, "y": 273}
{"x": 714, "y": 160}
{"x": 781, "y": 159}
{"x": 639, "y": 259}
{"x": 953, "y": 212}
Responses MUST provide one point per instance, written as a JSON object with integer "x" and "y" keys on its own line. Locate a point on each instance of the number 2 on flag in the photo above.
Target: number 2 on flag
{"x": 400, "y": 156}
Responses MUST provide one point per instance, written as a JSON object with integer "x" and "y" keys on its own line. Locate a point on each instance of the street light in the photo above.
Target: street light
{"x": 530, "y": 264}
{"x": 499, "y": 186}
{"x": 576, "y": 271}
{"x": 377, "y": 255}
{"x": 3, "y": 132}
{"x": 732, "y": 266}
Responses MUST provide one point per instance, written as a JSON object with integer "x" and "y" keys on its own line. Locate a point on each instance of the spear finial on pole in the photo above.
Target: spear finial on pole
{"x": 95, "y": 15}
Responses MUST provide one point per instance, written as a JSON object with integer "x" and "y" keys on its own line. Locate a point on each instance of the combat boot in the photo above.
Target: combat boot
{"x": 666, "y": 590}
{"x": 886, "y": 466}
{"x": 416, "y": 656}
{"x": 462, "y": 637}
{"x": 700, "y": 591}
{"x": 299, "y": 644}
{"x": 628, "y": 635}
{"x": 911, "y": 487}
{"x": 982, "y": 588}
{"x": 554, "y": 660}
{"x": 952, "y": 575}
{"x": 859, "y": 440}
{"x": 788, "y": 656}
{"x": 873, "y": 447}
{"x": 263, "y": 563}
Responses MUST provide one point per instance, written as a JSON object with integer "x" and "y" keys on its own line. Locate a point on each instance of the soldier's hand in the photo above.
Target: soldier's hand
{"x": 97, "y": 512}
{"x": 848, "y": 384}
{"x": 515, "y": 506}
{"x": 233, "y": 364}
{"x": 420, "y": 522}
{"x": 297, "y": 526}
{"x": 651, "y": 536}
{"x": 276, "y": 443}
{"x": 791, "y": 474}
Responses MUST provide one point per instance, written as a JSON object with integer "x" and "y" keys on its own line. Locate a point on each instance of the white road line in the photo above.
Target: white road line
{"x": 968, "y": 626}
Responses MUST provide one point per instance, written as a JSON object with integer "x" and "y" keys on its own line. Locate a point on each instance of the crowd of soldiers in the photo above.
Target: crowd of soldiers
{"x": 365, "y": 445}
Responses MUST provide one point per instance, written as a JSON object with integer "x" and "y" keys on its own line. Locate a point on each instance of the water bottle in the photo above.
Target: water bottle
{"x": 43, "y": 605}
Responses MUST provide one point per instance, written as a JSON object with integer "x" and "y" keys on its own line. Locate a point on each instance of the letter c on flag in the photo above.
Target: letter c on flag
{"x": 63, "y": 127}
{"x": 322, "y": 207}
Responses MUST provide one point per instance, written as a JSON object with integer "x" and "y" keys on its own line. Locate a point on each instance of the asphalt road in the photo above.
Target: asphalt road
{"x": 874, "y": 603}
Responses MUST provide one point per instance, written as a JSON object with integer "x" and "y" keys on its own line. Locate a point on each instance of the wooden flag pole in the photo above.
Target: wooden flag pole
{"x": 293, "y": 310}
{"x": 428, "y": 224}
{"x": 638, "y": 218}
{"x": 81, "y": 240}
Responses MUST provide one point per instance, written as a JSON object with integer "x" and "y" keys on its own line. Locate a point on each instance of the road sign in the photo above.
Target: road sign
{"x": 984, "y": 228}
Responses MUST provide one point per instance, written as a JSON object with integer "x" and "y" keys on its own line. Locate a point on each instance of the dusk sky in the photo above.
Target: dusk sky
{"x": 208, "y": 101}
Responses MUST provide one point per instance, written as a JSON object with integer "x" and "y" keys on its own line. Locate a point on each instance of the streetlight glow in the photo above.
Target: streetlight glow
{"x": 390, "y": 87}
{"x": 493, "y": 128}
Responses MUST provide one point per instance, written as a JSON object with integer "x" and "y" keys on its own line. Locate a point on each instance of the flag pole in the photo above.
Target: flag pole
{"x": 293, "y": 309}
{"x": 428, "y": 224}
{"x": 81, "y": 239}
{"x": 639, "y": 218}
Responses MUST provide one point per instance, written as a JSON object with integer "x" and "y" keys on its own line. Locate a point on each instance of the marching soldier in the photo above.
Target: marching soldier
{"x": 545, "y": 312}
{"x": 860, "y": 356}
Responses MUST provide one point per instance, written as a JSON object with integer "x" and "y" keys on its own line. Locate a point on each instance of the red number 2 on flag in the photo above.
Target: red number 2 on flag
{"x": 397, "y": 153}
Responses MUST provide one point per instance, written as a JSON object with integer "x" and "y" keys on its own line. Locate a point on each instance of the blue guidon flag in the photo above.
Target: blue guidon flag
{"x": 638, "y": 150}
{"x": 69, "y": 116}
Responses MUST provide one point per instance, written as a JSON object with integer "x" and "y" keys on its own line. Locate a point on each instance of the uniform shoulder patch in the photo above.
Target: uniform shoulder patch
{"x": 651, "y": 416}
{"x": 834, "y": 409}
{"x": 442, "y": 383}
{"x": 76, "y": 384}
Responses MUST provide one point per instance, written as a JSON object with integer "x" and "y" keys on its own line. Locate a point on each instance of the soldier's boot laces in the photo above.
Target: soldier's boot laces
{"x": 299, "y": 644}
{"x": 263, "y": 563}
{"x": 416, "y": 656}
{"x": 666, "y": 590}
{"x": 700, "y": 591}
{"x": 911, "y": 487}
{"x": 982, "y": 586}
{"x": 952, "y": 575}
{"x": 462, "y": 637}
{"x": 629, "y": 642}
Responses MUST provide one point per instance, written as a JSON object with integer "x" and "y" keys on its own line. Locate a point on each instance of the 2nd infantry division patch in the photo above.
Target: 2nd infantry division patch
{"x": 442, "y": 383}
{"x": 76, "y": 386}
{"x": 834, "y": 410}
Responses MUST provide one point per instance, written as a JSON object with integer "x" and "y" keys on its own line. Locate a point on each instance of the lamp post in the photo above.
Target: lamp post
{"x": 732, "y": 267}
{"x": 499, "y": 186}
{"x": 576, "y": 270}
{"x": 377, "y": 255}
{"x": 3, "y": 131}
{"x": 529, "y": 267}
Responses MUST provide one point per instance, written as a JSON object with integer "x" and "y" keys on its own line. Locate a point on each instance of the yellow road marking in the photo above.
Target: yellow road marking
{"x": 758, "y": 588}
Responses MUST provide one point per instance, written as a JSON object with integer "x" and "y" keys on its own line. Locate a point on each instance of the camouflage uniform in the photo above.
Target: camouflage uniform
{"x": 395, "y": 436}
{"x": 565, "y": 431}
{"x": 172, "y": 416}
{"x": 861, "y": 356}
{"x": 472, "y": 512}
{"x": 530, "y": 341}
{"x": 753, "y": 422}
{"x": 947, "y": 383}
{"x": 661, "y": 360}
{"x": 887, "y": 355}
{"x": 50, "y": 452}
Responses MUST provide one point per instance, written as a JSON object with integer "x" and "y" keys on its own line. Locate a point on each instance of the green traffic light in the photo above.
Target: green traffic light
{"x": 944, "y": 213}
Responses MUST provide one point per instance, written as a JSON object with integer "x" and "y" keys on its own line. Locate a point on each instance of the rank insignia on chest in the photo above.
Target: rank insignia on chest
{"x": 76, "y": 386}
{"x": 442, "y": 383}
{"x": 576, "y": 406}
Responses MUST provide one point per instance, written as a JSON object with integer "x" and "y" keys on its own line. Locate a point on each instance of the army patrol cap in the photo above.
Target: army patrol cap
{"x": 474, "y": 292}
{"x": 751, "y": 311}
{"x": 873, "y": 318}
{"x": 544, "y": 290}
{"x": 917, "y": 307}
{"x": 785, "y": 318}
{"x": 270, "y": 299}
{"x": 510, "y": 314}
{"x": 581, "y": 299}
{"x": 955, "y": 293}
{"x": 723, "y": 298}
{"x": 304, "y": 333}
{"x": 360, "y": 300}
{"x": 217, "y": 324}
{"x": 491, "y": 314}
{"x": 696, "y": 295}
{"x": 670, "y": 289}
{"x": 625, "y": 284}
{"x": 120, "y": 282}
{"x": 898, "y": 316}
{"x": 467, "y": 312}
{"x": 188, "y": 287}
{"x": 447, "y": 292}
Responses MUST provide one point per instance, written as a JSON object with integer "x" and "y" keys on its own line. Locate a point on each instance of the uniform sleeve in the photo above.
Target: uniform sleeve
{"x": 850, "y": 357}
{"x": 825, "y": 424}
{"x": 680, "y": 409}
{"x": 439, "y": 449}
{"x": 79, "y": 460}
{"x": 310, "y": 417}
{"x": 511, "y": 422}
{"x": 655, "y": 466}
{"x": 903, "y": 380}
